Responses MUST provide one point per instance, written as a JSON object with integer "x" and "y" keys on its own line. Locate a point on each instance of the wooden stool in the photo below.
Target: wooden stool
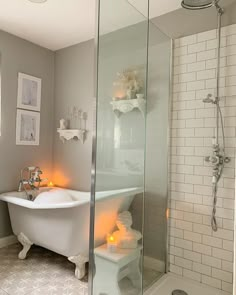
{"x": 112, "y": 267}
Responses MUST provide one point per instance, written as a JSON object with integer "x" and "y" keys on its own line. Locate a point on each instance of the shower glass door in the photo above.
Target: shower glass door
{"x": 116, "y": 246}
{"x": 156, "y": 160}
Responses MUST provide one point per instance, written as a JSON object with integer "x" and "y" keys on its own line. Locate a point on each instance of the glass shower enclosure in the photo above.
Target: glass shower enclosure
{"x": 128, "y": 231}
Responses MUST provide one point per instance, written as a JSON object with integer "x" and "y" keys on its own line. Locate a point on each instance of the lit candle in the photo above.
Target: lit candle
{"x": 50, "y": 184}
{"x": 111, "y": 243}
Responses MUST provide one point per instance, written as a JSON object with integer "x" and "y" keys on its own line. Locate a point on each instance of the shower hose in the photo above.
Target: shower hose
{"x": 214, "y": 224}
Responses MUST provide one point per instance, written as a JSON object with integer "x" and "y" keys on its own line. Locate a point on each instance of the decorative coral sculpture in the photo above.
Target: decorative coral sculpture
{"x": 129, "y": 82}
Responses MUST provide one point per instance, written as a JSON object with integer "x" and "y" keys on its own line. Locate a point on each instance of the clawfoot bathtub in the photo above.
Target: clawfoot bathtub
{"x": 61, "y": 224}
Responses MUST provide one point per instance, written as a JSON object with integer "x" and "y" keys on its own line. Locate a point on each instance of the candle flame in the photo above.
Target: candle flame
{"x": 50, "y": 184}
{"x": 111, "y": 239}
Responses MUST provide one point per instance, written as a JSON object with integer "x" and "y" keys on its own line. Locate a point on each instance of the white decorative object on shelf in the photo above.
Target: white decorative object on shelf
{"x": 124, "y": 106}
{"x": 140, "y": 95}
{"x": 63, "y": 124}
{"x": 68, "y": 134}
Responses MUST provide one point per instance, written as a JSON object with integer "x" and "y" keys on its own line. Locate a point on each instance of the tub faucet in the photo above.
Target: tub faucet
{"x": 33, "y": 178}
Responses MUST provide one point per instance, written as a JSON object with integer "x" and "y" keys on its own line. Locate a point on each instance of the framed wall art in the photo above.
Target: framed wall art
{"x": 29, "y": 92}
{"x": 27, "y": 127}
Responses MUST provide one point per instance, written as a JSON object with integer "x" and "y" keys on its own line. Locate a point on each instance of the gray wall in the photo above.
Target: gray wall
{"x": 120, "y": 50}
{"x": 74, "y": 76}
{"x": 18, "y": 55}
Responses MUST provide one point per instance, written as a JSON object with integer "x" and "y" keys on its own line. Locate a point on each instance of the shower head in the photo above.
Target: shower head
{"x": 199, "y": 4}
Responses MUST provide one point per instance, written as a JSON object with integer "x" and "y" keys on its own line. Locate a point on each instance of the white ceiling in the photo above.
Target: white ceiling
{"x": 54, "y": 24}
{"x": 60, "y": 23}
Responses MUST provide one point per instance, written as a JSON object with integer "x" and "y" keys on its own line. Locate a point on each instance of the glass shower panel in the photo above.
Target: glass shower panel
{"x": 120, "y": 149}
{"x": 156, "y": 164}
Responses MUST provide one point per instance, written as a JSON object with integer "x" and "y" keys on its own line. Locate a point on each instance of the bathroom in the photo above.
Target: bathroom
{"x": 117, "y": 140}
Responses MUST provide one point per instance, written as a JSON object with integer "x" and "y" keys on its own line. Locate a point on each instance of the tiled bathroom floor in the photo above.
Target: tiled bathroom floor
{"x": 42, "y": 273}
{"x": 47, "y": 273}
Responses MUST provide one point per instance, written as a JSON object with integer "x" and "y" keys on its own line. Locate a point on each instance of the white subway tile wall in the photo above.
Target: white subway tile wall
{"x": 195, "y": 250}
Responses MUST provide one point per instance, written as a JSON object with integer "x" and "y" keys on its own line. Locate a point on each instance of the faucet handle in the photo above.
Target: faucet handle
{"x": 208, "y": 159}
{"x": 213, "y": 159}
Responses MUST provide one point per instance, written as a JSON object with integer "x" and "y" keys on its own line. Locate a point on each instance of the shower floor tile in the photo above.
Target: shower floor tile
{"x": 150, "y": 276}
{"x": 43, "y": 272}
{"x": 171, "y": 282}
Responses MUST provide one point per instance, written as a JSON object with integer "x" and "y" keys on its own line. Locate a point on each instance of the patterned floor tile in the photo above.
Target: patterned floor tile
{"x": 47, "y": 273}
{"x": 43, "y": 272}
{"x": 65, "y": 285}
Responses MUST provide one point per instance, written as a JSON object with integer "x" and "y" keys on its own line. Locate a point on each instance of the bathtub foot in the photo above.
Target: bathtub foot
{"x": 26, "y": 243}
{"x": 79, "y": 262}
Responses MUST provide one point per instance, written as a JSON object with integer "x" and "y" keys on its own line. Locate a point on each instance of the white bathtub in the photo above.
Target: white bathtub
{"x": 63, "y": 227}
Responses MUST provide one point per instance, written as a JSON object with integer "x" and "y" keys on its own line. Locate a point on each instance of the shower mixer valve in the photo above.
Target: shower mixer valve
{"x": 217, "y": 160}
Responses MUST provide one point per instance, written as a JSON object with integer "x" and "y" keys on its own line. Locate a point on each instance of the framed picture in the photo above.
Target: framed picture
{"x": 29, "y": 92}
{"x": 27, "y": 127}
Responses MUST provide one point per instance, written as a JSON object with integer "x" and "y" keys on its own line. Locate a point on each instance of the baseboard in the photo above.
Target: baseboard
{"x": 153, "y": 263}
{"x": 7, "y": 241}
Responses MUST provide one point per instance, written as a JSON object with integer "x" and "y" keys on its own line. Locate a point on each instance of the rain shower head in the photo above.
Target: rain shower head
{"x": 198, "y": 4}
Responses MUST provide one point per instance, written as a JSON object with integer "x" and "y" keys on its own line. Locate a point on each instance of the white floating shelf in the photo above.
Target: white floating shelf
{"x": 68, "y": 134}
{"x": 124, "y": 106}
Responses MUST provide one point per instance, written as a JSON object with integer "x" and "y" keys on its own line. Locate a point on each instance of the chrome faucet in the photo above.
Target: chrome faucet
{"x": 33, "y": 178}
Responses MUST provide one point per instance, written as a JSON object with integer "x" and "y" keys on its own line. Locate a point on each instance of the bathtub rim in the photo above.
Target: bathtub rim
{"x": 9, "y": 198}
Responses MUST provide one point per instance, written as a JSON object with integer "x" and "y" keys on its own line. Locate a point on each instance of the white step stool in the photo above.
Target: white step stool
{"x": 112, "y": 267}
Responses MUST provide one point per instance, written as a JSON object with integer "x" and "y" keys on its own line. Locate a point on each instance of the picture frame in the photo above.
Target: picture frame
{"x": 29, "y": 92}
{"x": 27, "y": 127}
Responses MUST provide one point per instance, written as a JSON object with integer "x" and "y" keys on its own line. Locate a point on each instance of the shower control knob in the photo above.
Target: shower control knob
{"x": 213, "y": 159}
{"x": 207, "y": 159}
{"x": 226, "y": 160}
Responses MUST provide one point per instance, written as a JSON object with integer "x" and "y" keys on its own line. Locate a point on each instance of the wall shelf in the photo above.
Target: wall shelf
{"x": 124, "y": 106}
{"x": 69, "y": 134}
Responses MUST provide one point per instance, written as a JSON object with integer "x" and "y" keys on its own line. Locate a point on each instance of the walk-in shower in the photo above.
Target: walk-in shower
{"x": 218, "y": 157}
{"x": 167, "y": 138}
